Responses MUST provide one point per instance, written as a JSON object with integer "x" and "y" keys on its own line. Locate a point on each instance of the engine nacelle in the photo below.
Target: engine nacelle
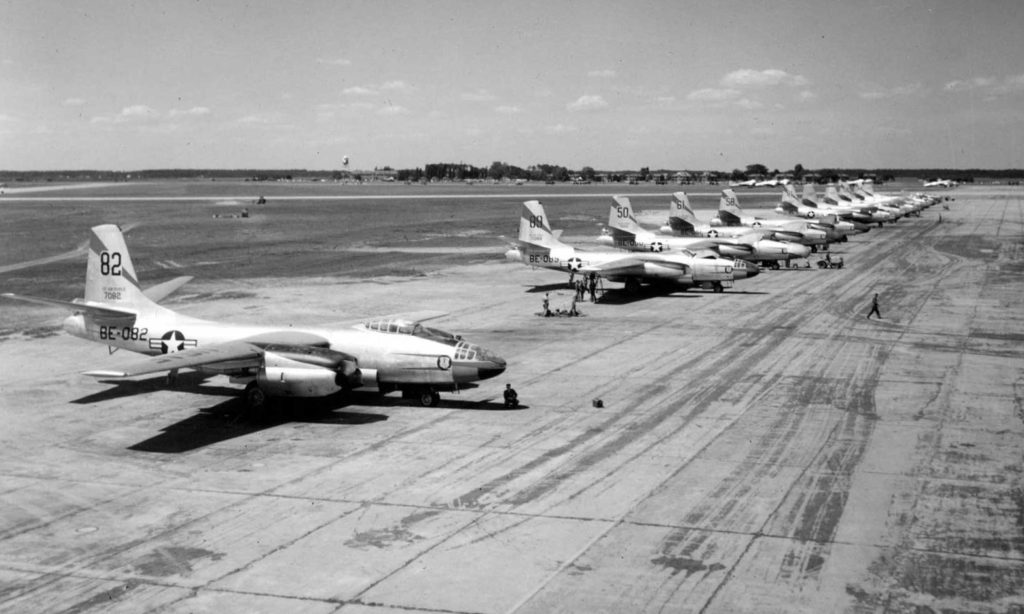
{"x": 738, "y": 250}
{"x": 669, "y": 271}
{"x": 301, "y": 371}
{"x": 712, "y": 269}
{"x": 716, "y": 221}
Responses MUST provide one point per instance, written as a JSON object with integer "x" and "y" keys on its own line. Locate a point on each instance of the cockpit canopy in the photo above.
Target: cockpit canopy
{"x": 399, "y": 326}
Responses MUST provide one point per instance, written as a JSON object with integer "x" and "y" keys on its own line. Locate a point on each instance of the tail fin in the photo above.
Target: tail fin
{"x": 729, "y": 209}
{"x": 110, "y": 275}
{"x": 845, "y": 193}
{"x": 789, "y": 203}
{"x": 789, "y": 190}
{"x": 868, "y": 186}
{"x": 832, "y": 195}
{"x": 621, "y": 216}
{"x": 534, "y": 228}
{"x": 809, "y": 197}
{"x": 681, "y": 217}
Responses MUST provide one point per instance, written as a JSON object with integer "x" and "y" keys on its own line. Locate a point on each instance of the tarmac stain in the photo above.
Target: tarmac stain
{"x": 173, "y": 560}
{"x": 684, "y": 564}
{"x": 383, "y": 538}
{"x": 97, "y": 601}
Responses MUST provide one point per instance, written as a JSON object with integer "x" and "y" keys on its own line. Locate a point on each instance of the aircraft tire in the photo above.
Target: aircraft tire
{"x": 429, "y": 398}
{"x": 632, "y": 285}
{"x": 255, "y": 398}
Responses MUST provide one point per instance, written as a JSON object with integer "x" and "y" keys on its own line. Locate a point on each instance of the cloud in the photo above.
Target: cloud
{"x": 358, "y": 90}
{"x": 73, "y": 102}
{"x": 746, "y": 77}
{"x": 139, "y": 110}
{"x": 899, "y": 91}
{"x": 193, "y": 112}
{"x": 991, "y": 86}
{"x": 508, "y": 109}
{"x": 263, "y": 119}
{"x": 750, "y": 105}
{"x": 602, "y": 74}
{"x": 806, "y": 96}
{"x": 560, "y": 129}
{"x": 334, "y": 62}
{"x": 480, "y": 95}
{"x": 133, "y": 113}
{"x": 393, "y": 109}
{"x": 587, "y": 102}
{"x": 395, "y": 85}
{"x": 710, "y": 94}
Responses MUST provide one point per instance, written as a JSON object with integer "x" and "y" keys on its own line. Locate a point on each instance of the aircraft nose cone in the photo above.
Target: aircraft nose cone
{"x": 752, "y": 270}
{"x": 799, "y": 251}
{"x": 494, "y": 367}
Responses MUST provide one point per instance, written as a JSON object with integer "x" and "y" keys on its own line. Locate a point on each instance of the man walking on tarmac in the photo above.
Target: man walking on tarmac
{"x": 874, "y": 307}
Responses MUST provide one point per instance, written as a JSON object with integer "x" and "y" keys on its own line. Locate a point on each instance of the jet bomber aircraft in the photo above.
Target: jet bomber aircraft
{"x": 271, "y": 361}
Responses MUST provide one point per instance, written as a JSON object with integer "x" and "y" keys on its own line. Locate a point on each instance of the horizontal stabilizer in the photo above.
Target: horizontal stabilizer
{"x": 162, "y": 291}
{"x": 93, "y": 310}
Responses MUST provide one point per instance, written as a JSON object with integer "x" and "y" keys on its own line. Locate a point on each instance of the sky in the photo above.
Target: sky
{"x": 614, "y": 85}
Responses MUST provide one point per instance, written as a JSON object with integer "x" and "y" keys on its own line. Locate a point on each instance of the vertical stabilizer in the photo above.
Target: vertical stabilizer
{"x": 729, "y": 209}
{"x": 681, "y": 217}
{"x": 810, "y": 199}
{"x": 789, "y": 190}
{"x": 621, "y": 217}
{"x": 534, "y": 228}
{"x": 110, "y": 275}
{"x": 832, "y": 196}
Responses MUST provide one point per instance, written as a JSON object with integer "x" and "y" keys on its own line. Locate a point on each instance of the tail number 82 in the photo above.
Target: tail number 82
{"x": 110, "y": 263}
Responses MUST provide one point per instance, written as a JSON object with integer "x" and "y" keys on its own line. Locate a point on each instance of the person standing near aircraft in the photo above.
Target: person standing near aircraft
{"x": 547, "y": 306}
{"x": 874, "y": 307}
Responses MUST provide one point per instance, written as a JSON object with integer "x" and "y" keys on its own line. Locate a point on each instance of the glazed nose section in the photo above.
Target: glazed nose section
{"x": 473, "y": 362}
{"x": 749, "y": 270}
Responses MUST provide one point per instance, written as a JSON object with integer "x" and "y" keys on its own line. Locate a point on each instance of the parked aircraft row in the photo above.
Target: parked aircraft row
{"x": 401, "y": 354}
{"x": 687, "y": 252}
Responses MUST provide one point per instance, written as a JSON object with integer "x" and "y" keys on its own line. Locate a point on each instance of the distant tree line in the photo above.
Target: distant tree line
{"x": 503, "y": 171}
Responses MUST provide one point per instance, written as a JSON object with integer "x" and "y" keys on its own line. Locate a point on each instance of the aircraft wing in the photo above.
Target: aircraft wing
{"x": 224, "y": 352}
{"x": 631, "y": 265}
{"x": 241, "y": 353}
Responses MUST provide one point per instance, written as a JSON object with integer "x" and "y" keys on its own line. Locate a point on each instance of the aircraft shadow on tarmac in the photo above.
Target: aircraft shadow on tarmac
{"x": 228, "y": 419}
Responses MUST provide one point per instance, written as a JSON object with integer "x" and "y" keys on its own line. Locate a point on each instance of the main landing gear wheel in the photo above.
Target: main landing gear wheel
{"x": 255, "y": 398}
{"x": 632, "y": 285}
{"x": 717, "y": 286}
{"x": 429, "y": 398}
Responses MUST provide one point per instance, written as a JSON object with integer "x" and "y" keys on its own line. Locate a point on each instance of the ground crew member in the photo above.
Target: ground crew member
{"x": 511, "y": 397}
{"x": 547, "y": 306}
{"x": 572, "y": 308}
{"x": 874, "y": 307}
{"x": 593, "y": 287}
